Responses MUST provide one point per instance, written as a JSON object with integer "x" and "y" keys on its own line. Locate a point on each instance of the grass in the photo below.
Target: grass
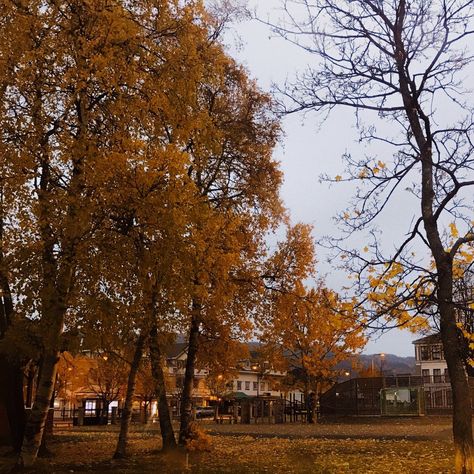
{"x": 360, "y": 446}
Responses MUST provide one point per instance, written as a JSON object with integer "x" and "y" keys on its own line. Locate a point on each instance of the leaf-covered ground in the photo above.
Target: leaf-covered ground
{"x": 367, "y": 446}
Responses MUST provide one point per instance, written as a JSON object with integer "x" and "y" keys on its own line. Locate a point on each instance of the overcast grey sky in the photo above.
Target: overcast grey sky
{"x": 308, "y": 150}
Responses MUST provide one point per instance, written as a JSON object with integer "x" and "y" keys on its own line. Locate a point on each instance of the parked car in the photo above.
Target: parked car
{"x": 204, "y": 412}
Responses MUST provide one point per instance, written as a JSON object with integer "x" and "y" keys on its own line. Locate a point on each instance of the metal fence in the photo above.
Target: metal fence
{"x": 361, "y": 396}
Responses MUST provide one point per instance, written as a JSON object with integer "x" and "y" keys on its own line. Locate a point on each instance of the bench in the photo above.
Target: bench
{"x": 62, "y": 423}
{"x": 230, "y": 418}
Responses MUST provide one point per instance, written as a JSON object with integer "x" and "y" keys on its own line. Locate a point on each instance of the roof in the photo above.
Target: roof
{"x": 174, "y": 350}
{"x": 430, "y": 339}
{"x": 236, "y": 395}
{"x": 177, "y": 348}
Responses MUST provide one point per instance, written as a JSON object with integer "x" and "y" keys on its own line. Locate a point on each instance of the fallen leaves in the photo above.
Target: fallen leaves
{"x": 376, "y": 446}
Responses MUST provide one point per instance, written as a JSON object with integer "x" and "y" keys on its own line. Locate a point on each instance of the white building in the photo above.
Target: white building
{"x": 430, "y": 362}
{"x": 252, "y": 378}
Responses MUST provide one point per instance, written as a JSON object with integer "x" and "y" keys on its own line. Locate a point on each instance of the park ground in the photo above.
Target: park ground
{"x": 371, "y": 445}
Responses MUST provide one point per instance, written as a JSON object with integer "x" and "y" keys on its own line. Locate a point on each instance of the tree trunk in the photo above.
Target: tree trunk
{"x": 187, "y": 394}
{"x": 453, "y": 350}
{"x": 420, "y": 126}
{"x": 11, "y": 372}
{"x": 121, "y": 449}
{"x": 43, "y": 451}
{"x": 452, "y": 346}
{"x": 307, "y": 403}
{"x": 29, "y": 385}
{"x": 146, "y": 411}
{"x": 11, "y": 389}
{"x": 167, "y": 433}
{"x": 37, "y": 419}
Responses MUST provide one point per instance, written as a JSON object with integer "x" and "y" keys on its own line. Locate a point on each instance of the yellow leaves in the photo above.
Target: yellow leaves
{"x": 374, "y": 282}
{"x": 338, "y": 178}
{"x": 197, "y": 439}
{"x": 366, "y": 249}
{"x": 381, "y": 165}
{"x": 391, "y": 294}
{"x": 454, "y": 230}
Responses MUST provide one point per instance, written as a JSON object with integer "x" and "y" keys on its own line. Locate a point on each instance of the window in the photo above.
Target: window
{"x": 436, "y": 352}
{"x": 247, "y": 385}
{"x": 239, "y": 384}
{"x": 446, "y": 375}
{"x": 90, "y": 405}
{"x": 425, "y": 373}
{"x": 255, "y": 386}
{"x": 437, "y": 398}
{"x": 425, "y": 353}
{"x": 436, "y": 375}
{"x": 262, "y": 386}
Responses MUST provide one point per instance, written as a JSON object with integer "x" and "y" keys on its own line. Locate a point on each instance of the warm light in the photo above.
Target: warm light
{"x": 69, "y": 368}
{"x": 347, "y": 374}
{"x": 254, "y": 367}
{"x": 382, "y": 355}
{"x": 220, "y": 377}
{"x": 105, "y": 357}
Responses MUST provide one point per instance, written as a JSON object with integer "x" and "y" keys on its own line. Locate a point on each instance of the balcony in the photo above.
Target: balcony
{"x": 435, "y": 379}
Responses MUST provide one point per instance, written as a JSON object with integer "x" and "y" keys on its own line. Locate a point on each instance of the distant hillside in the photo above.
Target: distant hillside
{"x": 392, "y": 364}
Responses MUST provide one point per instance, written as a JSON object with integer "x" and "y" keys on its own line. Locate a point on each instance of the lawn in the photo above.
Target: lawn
{"x": 365, "y": 446}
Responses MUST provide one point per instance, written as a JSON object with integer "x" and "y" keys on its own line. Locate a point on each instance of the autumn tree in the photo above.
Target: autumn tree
{"x": 107, "y": 381}
{"x": 237, "y": 182}
{"x": 128, "y": 133}
{"x": 145, "y": 392}
{"x": 66, "y": 114}
{"x": 311, "y": 329}
{"x": 13, "y": 191}
{"x": 404, "y": 63}
{"x": 77, "y": 99}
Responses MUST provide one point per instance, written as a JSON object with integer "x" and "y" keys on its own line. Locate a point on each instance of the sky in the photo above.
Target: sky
{"x": 309, "y": 149}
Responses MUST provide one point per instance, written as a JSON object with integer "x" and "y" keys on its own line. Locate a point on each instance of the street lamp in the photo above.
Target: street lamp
{"x": 382, "y": 360}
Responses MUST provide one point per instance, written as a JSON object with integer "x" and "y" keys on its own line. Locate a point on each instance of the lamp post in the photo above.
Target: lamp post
{"x": 382, "y": 360}
{"x": 255, "y": 368}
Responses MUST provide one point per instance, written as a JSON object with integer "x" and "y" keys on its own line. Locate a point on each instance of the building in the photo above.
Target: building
{"x": 251, "y": 378}
{"x": 96, "y": 384}
{"x": 430, "y": 362}
{"x": 363, "y": 395}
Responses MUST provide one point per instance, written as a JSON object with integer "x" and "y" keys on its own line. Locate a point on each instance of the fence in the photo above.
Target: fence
{"x": 361, "y": 396}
